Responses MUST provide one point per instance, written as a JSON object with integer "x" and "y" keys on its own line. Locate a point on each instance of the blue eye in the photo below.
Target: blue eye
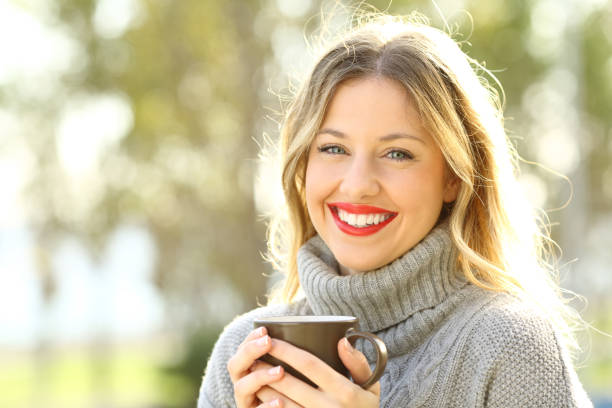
{"x": 332, "y": 149}
{"x": 399, "y": 155}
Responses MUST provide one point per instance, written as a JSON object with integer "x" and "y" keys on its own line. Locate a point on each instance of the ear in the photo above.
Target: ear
{"x": 451, "y": 190}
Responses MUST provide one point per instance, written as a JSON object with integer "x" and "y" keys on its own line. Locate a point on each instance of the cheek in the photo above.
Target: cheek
{"x": 314, "y": 188}
{"x": 418, "y": 188}
{"x": 320, "y": 176}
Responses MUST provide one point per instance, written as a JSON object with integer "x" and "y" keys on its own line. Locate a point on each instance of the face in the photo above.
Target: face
{"x": 375, "y": 180}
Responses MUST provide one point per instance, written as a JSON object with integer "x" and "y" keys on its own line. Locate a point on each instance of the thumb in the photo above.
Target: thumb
{"x": 357, "y": 364}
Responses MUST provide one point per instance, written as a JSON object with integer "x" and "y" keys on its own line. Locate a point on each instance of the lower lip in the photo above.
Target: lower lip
{"x": 349, "y": 229}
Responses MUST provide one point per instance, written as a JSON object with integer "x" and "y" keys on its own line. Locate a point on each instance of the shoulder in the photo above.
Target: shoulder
{"x": 517, "y": 355}
{"x": 217, "y": 389}
{"x": 509, "y": 334}
{"x": 507, "y": 321}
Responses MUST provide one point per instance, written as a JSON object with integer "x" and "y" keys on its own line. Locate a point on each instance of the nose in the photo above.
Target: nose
{"x": 360, "y": 179}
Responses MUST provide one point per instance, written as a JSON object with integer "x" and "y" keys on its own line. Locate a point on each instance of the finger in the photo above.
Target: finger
{"x": 245, "y": 356}
{"x": 290, "y": 389}
{"x": 247, "y": 386}
{"x": 300, "y": 392}
{"x": 267, "y": 394}
{"x": 255, "y": 334}
{"x": 356, "y": 363}
{"x": 275, "y": 403}
{"x": 311, "y": 366}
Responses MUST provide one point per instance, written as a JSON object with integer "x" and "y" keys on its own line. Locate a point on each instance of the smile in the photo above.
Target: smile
{"x": 360, "y": 220}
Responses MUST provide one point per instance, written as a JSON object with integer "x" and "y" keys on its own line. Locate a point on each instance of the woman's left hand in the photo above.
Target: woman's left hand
{"x": 334, "y": 390}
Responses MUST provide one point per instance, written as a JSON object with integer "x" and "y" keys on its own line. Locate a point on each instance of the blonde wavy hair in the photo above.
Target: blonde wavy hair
{"x": 502, "y": 242}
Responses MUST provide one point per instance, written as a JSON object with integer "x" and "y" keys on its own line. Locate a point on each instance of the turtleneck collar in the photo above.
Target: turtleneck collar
{"x": 420, "y": 279}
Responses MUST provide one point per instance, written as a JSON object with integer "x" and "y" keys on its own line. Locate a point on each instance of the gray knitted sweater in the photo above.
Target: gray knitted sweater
{"x": 450, "y": 344}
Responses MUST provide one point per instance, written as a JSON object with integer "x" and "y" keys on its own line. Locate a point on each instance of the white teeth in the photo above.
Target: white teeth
{"x": 362, "y": 220}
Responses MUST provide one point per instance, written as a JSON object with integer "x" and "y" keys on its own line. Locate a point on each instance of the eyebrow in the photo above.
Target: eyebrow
{"x": 385, "y": 138}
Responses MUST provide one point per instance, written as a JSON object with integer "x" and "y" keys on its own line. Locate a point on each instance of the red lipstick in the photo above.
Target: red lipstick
{"x": 359, "y": 209}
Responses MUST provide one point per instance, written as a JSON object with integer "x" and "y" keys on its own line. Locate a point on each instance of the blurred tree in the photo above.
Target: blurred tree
{"x": 185, "y": 168}
{"x": 187, "y": 75}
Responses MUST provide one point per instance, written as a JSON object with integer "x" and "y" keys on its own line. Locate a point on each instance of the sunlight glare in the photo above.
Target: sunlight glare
{"x": 112, "y": 18}
{"x": 292, "y": 8}
{"x": 88, "y": 127}
{"x": 41, "y": 52}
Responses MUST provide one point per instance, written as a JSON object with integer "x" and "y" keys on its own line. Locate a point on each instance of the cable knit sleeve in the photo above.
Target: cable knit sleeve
{"x": 217, "y": 390}
{"x": 514, "y": 359}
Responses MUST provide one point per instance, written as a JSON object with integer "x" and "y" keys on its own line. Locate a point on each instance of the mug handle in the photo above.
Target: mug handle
{"x": 381, "y": 355}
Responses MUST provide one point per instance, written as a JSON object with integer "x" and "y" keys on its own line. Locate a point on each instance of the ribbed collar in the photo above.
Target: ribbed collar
{"x": 420, "y": 279}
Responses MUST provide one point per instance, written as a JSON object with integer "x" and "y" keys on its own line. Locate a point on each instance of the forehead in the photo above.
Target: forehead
{"x": 376, "y": 105}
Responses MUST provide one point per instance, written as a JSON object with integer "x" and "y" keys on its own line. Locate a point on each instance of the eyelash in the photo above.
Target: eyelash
{"x": 406, "y": 155}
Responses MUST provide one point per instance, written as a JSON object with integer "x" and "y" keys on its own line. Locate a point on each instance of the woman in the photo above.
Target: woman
{"x": 404, "y": 210}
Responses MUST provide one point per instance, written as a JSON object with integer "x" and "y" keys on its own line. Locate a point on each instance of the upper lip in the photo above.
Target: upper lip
{"x": 359, "y": 208}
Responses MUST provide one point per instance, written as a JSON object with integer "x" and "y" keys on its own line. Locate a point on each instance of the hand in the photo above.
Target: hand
{"x": 247, "y": 382}
{"x": 334, "y": 390}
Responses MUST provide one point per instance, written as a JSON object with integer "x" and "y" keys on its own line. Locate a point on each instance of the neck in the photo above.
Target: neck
{"x": 420, "y": 279}
{"x": 346, "y": 271}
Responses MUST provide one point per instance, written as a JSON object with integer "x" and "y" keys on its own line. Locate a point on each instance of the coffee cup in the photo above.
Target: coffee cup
{"x": 319, "y": 335}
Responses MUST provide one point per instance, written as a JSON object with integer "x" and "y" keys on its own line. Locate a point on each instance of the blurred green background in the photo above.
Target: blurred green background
{"x": 132, "y": 196}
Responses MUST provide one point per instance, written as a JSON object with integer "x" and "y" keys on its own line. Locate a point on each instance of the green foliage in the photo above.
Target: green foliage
{"x": 187, "y": 372}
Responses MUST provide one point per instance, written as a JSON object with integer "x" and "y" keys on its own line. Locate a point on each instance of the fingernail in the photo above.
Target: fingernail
{"x": 263, "y": 341}
{"x": 260, "y": 332}
{"x": 347, "y": 345}
{"x": 275, "y": 403}
{"x": 274, "y": 370}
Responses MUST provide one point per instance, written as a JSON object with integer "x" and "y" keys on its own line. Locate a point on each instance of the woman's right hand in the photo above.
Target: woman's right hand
{"x": 247, "y": 383}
